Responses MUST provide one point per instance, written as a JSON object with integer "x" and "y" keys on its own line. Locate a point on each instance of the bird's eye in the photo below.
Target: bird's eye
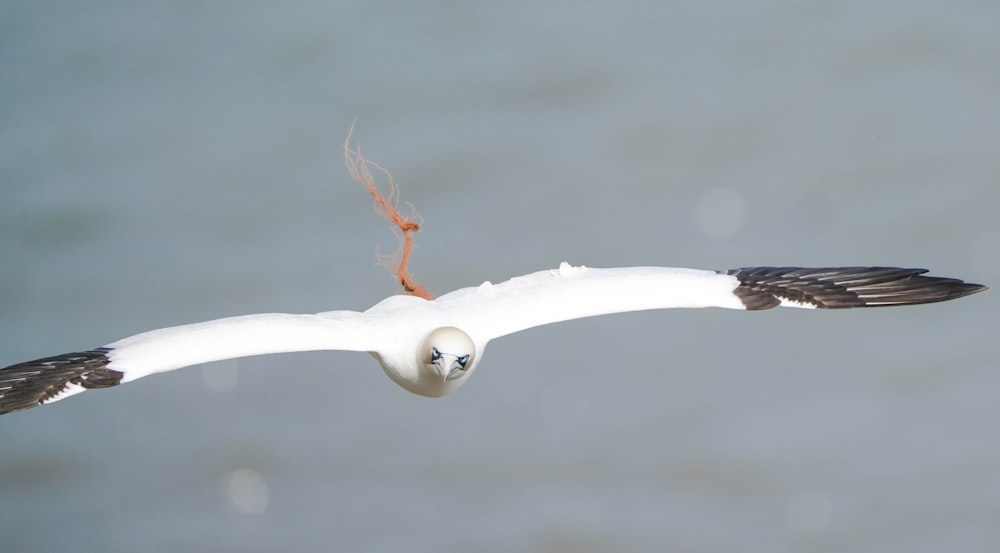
{"x": 435, "y": 354}
{"x": 463, "y": 360}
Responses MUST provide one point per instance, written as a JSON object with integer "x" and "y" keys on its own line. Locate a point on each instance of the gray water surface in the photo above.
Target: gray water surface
{"x": 169, "y": 163}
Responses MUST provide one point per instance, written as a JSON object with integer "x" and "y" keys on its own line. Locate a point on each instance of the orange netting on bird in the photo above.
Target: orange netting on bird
{"x": 361, "y": 171}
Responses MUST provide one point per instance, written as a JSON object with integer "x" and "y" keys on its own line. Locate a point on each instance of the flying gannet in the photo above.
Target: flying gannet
{"x": 431, "y": 346}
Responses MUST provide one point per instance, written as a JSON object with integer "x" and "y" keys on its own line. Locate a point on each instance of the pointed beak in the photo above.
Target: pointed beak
{"x": 439, "y": 366}
{"x": 444, "y": 366}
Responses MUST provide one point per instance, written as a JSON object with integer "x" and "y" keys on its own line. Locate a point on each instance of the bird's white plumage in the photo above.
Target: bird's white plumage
{"x": 430, "y": 347}
{"x": 171, "y": 348}
{"x": 394, "y": 329}
{"x": 566, "y": 293}
{"x": 800, "y": 304}
{"x": 69, "y": 390}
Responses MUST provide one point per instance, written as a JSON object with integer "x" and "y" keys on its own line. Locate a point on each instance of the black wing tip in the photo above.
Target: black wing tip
{"x": 33, "y": 383}
{"x": 962, "y": 289}
{"x": 845, "y": 287}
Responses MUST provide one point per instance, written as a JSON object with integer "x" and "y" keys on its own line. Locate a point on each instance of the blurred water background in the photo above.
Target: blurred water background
{"x": 172, "y": 162}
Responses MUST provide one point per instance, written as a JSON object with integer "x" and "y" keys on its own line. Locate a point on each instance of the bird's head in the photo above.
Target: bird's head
{"x": 446, "y": 358}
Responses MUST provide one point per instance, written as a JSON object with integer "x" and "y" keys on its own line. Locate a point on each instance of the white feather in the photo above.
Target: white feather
{"x": 570, "y": 292}
{"x": 394, "y": 328}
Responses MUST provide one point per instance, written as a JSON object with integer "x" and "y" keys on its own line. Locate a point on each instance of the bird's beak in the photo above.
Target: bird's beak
{"x": 439, "y": 366}
{"x": 442, "y": 364}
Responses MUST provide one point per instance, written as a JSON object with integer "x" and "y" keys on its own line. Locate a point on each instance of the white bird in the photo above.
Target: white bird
{"x": 431, "y": 347}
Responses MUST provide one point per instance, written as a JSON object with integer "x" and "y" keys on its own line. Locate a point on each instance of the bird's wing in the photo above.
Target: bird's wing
{"x": 491, "y": 311}
{"x": 45, "y": 380}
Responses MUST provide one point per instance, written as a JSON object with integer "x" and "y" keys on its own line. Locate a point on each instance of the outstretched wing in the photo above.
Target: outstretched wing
{"x": 491, "y": 311}
{"x": 46, "y": 380}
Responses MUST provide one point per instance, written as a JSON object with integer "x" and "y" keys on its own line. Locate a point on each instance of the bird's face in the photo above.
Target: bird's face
{"x": 447, "y": 356}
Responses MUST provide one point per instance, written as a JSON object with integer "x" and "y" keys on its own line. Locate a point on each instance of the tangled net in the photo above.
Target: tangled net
{"x": 361, "y": 171}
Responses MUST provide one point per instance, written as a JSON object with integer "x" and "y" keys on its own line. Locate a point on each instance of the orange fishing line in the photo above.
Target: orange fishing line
{"x": 360, "y": 170}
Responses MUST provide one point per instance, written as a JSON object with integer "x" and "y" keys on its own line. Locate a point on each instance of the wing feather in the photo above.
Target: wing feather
{"x": 566, "y": 293}
{"x": 172, "y": 348}
{"x": 45, "y": 380}
{"x": 844, "y": 287}
{"x": 41, "y": 381}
